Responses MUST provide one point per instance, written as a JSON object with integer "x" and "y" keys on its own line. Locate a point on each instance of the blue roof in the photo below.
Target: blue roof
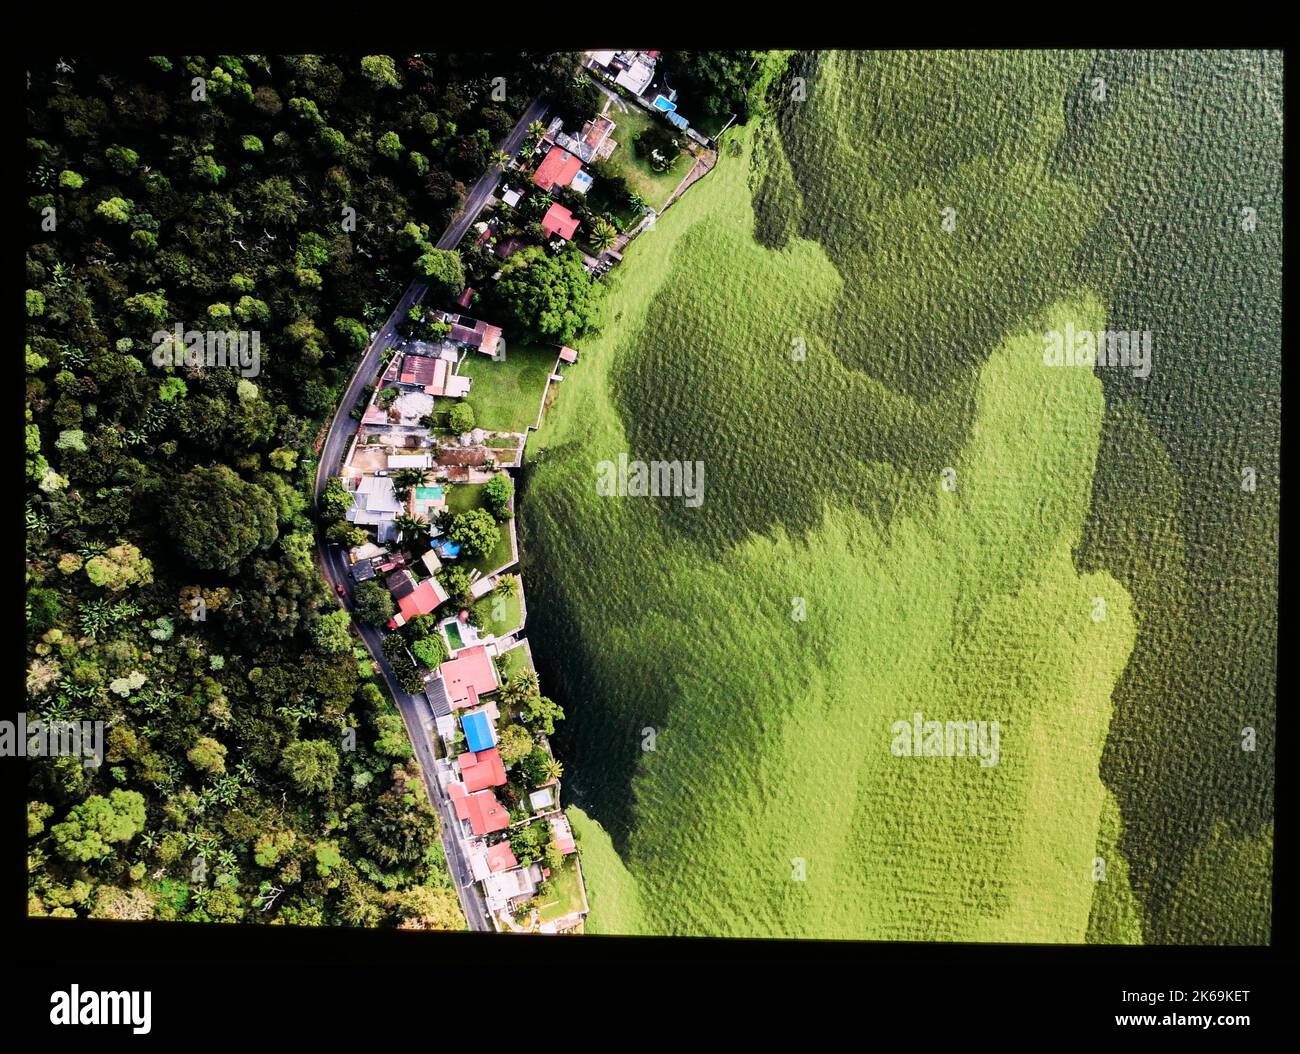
{"x": 449, "y": 549}
{"x": 478, "y": 731}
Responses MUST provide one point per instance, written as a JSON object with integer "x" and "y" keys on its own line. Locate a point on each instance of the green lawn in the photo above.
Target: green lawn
{"x": 462, "y": 497}
{"x": 511, "y": 610}
{"x": 565, "y": 895}
{"x": 654, "y": 186}
{"x": 506, "y": 395}
{"x": 516, "y": 661}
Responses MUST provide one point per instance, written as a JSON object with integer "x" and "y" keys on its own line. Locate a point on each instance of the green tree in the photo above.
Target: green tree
{"x": 335, "y": 500}
{"x": 341, "y": 532}
{"x": 476, "y": 531}
{"x": 406, "y": 480}
{"x": 373, "y": 603}
{"x": 516, "y": 743}
{"x": 460, "y": 418}
{"x": 217, "y": 520}
{"x": 543, "y": 713}
{"x": 380, "y": 71}
{"x": 523, "y": 686}
{"x": 120, "y": 567}
{"x": 431, "y": 650}
{"x": 99, "y": 823}
{"x": 529, "y": 842}
{"x": 312, "y": 764}
{"x": 543, "y": 296}
{"x": 602, "y": 234}
{"x": 456, "y": 580}
{"x": 208, "y": 755}
{"x": 497, "y": 493}
{"x": 444, "y": 269}
{"x": 412, "y": 528}
{"x": 115, "y": 210}
{"x": 331, "y": 633}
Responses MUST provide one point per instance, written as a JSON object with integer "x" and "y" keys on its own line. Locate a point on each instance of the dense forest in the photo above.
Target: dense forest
{"x": 254, "y": 770}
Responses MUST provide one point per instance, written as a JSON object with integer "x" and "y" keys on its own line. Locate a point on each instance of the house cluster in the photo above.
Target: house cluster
{"x": 636, "y": 73}
{"x": 631, "y": 70}
{"x": 560, "y": 169}
{"x": 462, "y": 693}
{"x": 400, "y": 471}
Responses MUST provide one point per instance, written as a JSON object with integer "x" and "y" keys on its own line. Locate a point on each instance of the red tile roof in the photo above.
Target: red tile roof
{"x": 482, "y": 770}
{"x": 559, "y": 166}
{"x": 417, "y": 369}
{"x": 484, "y": 813}
{"x": 559, "y": 220}
{"x": 424, "y": 599}
{"x": 500, "y": 857}
{"x": 462, "y": 455}
{"x": 472, "y": 667}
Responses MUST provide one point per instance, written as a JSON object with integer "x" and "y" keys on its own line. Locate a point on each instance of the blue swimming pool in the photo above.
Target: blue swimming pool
{"x": 662, "y": 103}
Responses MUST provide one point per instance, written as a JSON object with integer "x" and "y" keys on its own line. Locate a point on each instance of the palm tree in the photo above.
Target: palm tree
{"x": 507, "y": 586}
{"x": 522, "y": 686}
{"x": 536, "y": 130}
{"x": 603, "y": 234}
{"x": 552, "y": 770}
{"x": 501, "y": 159}
{"x": 406, "y": 480}
{"x": 411, "y": 528}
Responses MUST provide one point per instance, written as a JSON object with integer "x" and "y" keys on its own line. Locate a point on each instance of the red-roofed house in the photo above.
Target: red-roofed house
{"x": 482, "y": 770}
{"x": 423, "y": 599}
{"x": 568, "y": 355}
{"x": 500, "y": 857}
{"x": 559, "y": 220}
{"x": 481, "y": 811}
{"x": 472, "y": 668}
{"x": 418, "y": 369}
{"x": 557, "y": 169}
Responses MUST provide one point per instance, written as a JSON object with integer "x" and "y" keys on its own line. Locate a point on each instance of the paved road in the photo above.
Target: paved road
{"x": 418, "y": 716}
{"x": 479, "y": 192}
{"x": 334, "y": 565}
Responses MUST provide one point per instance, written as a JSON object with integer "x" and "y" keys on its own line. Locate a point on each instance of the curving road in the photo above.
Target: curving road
{"x": 333, "y": 561}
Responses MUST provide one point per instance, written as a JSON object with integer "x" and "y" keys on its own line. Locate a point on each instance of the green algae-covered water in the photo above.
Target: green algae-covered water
{"x": 906, "y": 509}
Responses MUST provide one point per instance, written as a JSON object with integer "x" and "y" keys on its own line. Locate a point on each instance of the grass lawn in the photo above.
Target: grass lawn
{"x": 462, "y": 497}
{"x": 511, "y": 613}
{"x": 565, "y": 896}
{"x": 516, "y": 661}
{"x": 651, "y": 185}
{"x": 505, "y": 395}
